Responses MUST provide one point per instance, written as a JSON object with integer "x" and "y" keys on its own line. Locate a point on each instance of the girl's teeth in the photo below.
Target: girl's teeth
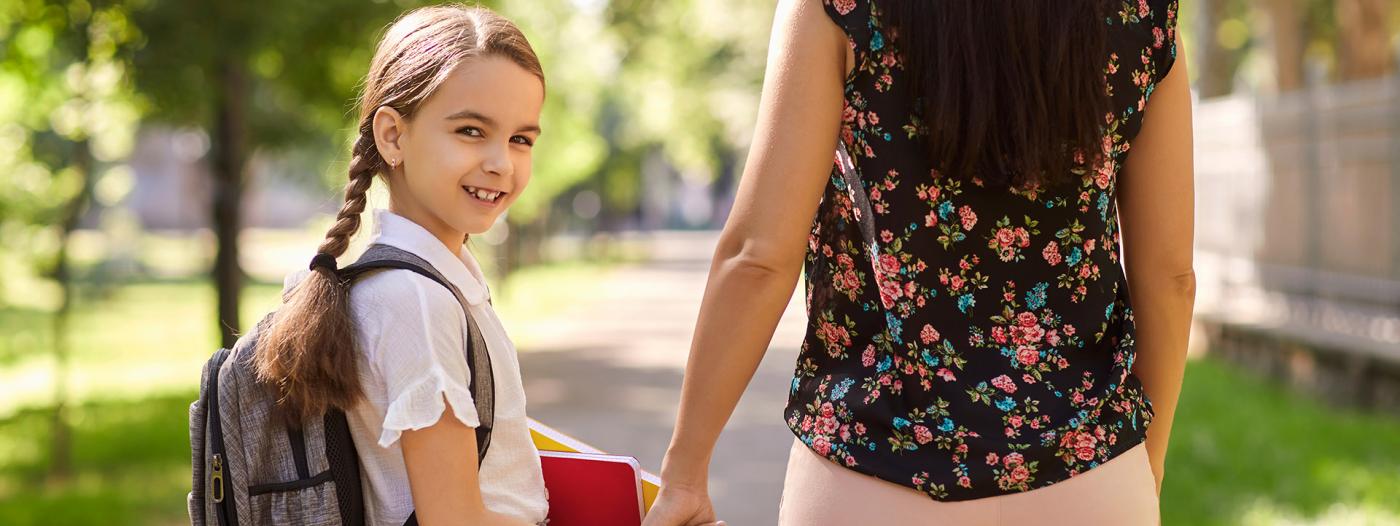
{"x": 484, "y": 195}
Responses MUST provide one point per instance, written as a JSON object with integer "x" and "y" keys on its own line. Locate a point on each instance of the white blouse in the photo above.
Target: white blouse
{"x": 410, "y": 332}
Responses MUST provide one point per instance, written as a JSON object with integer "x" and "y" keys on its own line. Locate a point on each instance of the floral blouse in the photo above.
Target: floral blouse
{"x": 982, "y": 343}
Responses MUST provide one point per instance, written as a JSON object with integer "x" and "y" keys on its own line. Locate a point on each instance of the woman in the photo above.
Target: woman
{"x": 971, "y": 342}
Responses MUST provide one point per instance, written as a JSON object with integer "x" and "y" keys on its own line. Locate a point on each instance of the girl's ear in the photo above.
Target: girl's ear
{"x": 389, "y": 127}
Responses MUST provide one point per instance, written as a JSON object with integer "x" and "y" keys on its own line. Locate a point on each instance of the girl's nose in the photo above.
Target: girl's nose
{"x": 498, "y": 161}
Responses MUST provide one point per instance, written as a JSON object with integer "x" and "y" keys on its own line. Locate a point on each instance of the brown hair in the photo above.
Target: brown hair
{"x": 308, "y": 352}
{"x": 1010, "y": 91}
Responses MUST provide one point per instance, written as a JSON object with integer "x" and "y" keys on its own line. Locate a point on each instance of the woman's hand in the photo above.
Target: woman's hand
{"x": 682, "y": 506}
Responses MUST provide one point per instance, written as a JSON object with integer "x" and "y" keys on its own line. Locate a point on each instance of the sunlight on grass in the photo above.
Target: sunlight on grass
{"x": 146, "y": 338}
{"x": 1244, "y": 449}
{"x": 131, "y": 459}
{"x": 154, "y": 338}
{"x": 1264, "y": 512}
{"x": 545, "y": 292}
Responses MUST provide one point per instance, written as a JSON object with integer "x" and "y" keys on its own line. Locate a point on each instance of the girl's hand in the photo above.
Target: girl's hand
{"x": 682, "y": 506}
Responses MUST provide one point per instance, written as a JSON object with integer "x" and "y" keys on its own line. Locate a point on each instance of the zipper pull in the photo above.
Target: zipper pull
{"x": 218, "y": 475}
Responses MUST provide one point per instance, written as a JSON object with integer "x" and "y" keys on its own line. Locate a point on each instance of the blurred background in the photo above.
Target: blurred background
{"x": 164, "y": 163}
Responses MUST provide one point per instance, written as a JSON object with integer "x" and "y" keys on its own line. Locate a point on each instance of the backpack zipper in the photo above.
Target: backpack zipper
{"x": 224, "y": 511}
{"x": 218, "y": 478}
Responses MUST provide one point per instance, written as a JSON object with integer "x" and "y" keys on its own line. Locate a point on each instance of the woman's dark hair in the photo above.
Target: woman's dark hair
{"x": 308, "y": 352}
{"x": 1011, "y": 92}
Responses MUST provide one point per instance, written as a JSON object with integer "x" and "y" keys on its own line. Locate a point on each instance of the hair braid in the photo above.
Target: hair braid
{"x": 308, "y": 353}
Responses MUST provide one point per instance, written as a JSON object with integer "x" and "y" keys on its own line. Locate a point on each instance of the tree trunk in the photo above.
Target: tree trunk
{"x": 1364, "y": 51}
{"x": 722, "y": 190}
{"x": 1216, "y": 75}
{"x": 1285, "y": 17}
{"x": 230, "y": 156}
{"x": 61, "y": 448}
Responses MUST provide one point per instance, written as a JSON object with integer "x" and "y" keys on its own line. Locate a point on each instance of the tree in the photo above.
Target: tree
{"x": 690, "y": 82}
{"x": 68, "y": 101}
{"x": 1288, "y": 36}
{"x": 254, "y": 74}
{"x": 1364, "y": 50}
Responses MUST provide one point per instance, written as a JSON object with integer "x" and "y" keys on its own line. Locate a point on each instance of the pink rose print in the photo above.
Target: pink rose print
{"x": 968, "y": 217}
{"x": 1026, "y": 319}
{"x": 922, "y": 435}
{"x": 928, "y": 334}
{"x": 1028, "y": 355}
{"x": 889, "y": 264}
{"x": 1005, "y": 383}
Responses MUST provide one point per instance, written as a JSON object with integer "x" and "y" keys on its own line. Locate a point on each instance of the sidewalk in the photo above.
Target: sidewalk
{"x": 608, "y": 371}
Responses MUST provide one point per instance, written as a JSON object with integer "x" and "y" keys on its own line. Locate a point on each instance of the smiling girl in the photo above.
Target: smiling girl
{"x": 448, "y": 117}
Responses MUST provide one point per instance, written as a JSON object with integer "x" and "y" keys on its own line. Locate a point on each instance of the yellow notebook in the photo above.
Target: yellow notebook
{"x": 549, "y": 439}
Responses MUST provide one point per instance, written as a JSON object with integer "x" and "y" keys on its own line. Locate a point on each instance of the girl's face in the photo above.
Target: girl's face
{"x": 465, "y": 156}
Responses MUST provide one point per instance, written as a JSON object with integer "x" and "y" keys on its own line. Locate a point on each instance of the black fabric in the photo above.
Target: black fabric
{"x": 226, "y": 511}
{"x": 296, "y": 438}
{"x": 345, "y": 468}
{"x": 292, "y": 485}
{"x": 968, "y": 340}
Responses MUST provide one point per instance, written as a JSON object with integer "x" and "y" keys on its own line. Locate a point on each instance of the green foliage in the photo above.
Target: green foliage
{"x": 304, "y": 64}
{"x": 65, "y": 95}
{"x": 690, "y": 76}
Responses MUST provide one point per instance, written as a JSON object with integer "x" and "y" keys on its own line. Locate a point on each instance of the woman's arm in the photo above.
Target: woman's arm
{"x": 442, "y": 475}
{"x": 1155, "y": 207}
{"x": 760, "y": 252}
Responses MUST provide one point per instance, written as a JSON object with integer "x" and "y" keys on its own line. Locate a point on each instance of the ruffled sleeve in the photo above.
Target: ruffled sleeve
{"x": 1164, "y": 22}
{"x": 413, "y": 332}
{"x": 855, "y": 19}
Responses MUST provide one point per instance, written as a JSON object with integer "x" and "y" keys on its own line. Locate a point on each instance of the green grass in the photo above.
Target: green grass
{"x": 143, "y": 339}
{"x": 1246, "y": 451}
{"x": 131, "y": 458}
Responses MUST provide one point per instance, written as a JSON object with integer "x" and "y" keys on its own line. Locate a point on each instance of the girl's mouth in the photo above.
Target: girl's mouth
{"x": 484, "y": 195}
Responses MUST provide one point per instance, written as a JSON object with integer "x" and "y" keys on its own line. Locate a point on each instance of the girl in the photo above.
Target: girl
{"x": 971, "y": 345}
{"x": 448, "y": 116}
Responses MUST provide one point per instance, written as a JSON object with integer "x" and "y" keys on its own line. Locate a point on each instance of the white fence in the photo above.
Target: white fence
{"x": 1298, "y": 228}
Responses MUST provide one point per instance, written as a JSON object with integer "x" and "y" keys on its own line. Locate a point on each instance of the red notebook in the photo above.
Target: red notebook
{"x": 591, "y": 489}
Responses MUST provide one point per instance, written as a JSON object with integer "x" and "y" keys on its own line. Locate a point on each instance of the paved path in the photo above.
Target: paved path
{"x": 608, "y": 370}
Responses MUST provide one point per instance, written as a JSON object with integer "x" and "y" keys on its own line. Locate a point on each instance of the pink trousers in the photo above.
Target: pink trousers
{"x": 817, "y": 492}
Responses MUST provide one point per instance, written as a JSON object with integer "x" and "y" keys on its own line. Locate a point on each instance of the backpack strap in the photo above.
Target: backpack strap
{"x": 855, "y": 188}
{"x": 482, "y": 383}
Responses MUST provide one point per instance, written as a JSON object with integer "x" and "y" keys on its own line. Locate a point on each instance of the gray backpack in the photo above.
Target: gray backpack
{"x": 251, "y": 468}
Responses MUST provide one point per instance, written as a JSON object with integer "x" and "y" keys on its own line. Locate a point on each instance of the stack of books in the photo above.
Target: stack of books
{"x": 588, "y": 487}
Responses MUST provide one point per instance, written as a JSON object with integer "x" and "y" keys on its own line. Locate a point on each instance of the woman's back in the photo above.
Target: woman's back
{"x": 981, "y": 342}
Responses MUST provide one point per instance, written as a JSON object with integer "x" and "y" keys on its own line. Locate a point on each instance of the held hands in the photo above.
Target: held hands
{"x": 679, "y": 505}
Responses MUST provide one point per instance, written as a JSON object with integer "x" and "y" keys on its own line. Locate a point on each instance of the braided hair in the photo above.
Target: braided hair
{"x": 308, "y": 352}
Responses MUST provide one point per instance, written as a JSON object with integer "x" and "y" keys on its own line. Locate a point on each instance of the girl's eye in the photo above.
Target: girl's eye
{"x": 470, "y": 131}
{"x": 521, "y": 139}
